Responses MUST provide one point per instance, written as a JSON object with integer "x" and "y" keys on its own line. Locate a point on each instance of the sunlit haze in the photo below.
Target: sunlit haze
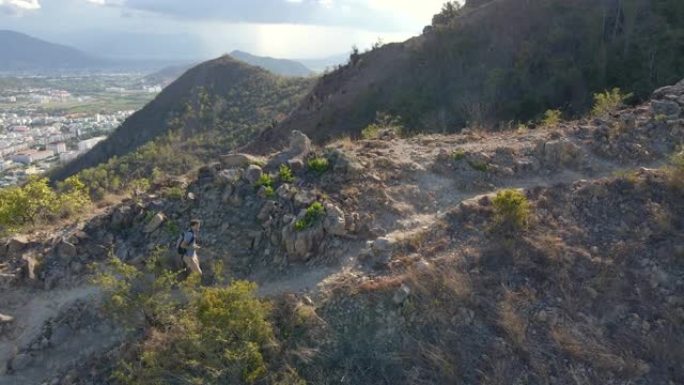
{"x": 181, "y": 29}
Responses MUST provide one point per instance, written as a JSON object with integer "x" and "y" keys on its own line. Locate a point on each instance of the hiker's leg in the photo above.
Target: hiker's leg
{"x": 192, "y": 262}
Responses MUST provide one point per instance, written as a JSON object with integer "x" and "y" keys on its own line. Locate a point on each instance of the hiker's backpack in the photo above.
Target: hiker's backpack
{"x": 182, "y": 250}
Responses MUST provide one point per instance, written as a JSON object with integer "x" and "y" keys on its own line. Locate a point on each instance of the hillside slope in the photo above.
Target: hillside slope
{"x": 215, "y": 105}
{"x": 23, "y": 53}
{"x": 505, "y": 60}
{"x": 407, "y": 277}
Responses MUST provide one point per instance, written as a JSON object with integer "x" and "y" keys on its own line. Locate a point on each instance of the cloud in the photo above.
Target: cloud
{"x": 378, "y": 15}
{"x": 18, "y": 7}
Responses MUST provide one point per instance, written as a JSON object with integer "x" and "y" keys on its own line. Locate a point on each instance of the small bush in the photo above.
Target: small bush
{"x": 314, "y": 213}
{"x": 371, "y": 131}
{"x": 269, "y": 192}
{"x": 458, "y": 155}
{"x": 479, "y": 166}
{"x": 511, "y": 210}
{"x": 264, "y": 180}
{"x": 318, "y": 165}
{"x": 139, "y": 186}
{"x": 285, "y": 174}
{"x": 677, "y": 170}
{"x": 552, "y": 118}
{"x": 173, "y": 193}
{"x": 608, "y": 101}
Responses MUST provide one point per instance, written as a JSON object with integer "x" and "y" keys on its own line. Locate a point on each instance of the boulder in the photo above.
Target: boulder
{"x": 301, "y": 244}
{"x": 300, "y": 144}
{"x": 253, "y": 173}
{"x": 561, "y": 152}
{"x": 28, "y": 266}
{"x": 662, "y": 91}
{"x": 680, "y": 100}
{"x": 154, "y": 223}
{"x": 300, "y": 147}
{"x": 304, "y": 198}
{"x": 334, "y": 222}
{"x": 667, "y": 108}
{"x": 232, "y": 161}
{"x": 286, "y": 192}
{"x": 267, "y": 210}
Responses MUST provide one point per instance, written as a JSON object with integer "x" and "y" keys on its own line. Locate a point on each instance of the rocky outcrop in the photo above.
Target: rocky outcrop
{"x": 299, "y": 149}
{"x": 154, "y": 223}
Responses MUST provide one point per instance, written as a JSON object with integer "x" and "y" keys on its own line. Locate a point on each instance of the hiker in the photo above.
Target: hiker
{"x": 187, "y": 247}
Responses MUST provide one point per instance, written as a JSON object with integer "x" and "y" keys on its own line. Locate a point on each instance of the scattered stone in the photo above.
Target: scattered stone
{"x": 667, "y": 108}
{"x": 334, "y": 222}
{"x": 154, "y": 223}
{"x": 237, "y": 160}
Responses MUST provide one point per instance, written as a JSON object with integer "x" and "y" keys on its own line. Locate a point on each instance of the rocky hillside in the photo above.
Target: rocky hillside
{"x": 223, "y": 102}
{"x": 497, "y": 61}
{"x": 385, "y": 261}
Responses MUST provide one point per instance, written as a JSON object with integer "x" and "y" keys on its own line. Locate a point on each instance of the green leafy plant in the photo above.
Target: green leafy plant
{"x": 479, "y": 165}
{"x": 264, "y": 180}
{"x": 269, "y": 192}
{"x": 511, "y": 210}
{"x": 314, "y": 213}
{"x": 318, "y": 165}
{"x": 173, "y": 193}
{"x": 285, "y": 174}
{"x": 193, "y": 335}
{"x": 552, "y": 118}
{"x": 608, "y": 101}
{"x": 371, "y": 131}
{"x": 458, "y": 155}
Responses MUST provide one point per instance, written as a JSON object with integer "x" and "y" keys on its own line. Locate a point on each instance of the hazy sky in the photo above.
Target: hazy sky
{"x": 207, "y": 28}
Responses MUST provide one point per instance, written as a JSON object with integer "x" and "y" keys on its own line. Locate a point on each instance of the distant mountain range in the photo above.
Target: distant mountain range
{"x": 23, "y": 53}
{"x": 282, "y": 67}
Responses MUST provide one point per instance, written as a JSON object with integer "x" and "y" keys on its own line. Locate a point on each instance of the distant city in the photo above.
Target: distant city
{"x": 44, "y": 127}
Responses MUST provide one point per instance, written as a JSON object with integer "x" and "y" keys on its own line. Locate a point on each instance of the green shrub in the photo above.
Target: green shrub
{"x": 479, "y": 166}
{"x": 677, "y": 170}
{"x": 269, "y": 192}
{"x": 285, "y": 174}
{"x": 511, "y": 210}
{"x": 552, "y": 118}
{"x": 314, "y": 213}
{"x": 318, "y": 165}
{"x": 608, "y": 101}
{"x": 371, "y": 131}
{"x": 173, "y": 193}
{"x": 139, "y": 186}
{"x": 458, "y": 155}
{"x": 36, "y": 202}
{"x": 264, "y": 180}
{"x": 195, "y": 335}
